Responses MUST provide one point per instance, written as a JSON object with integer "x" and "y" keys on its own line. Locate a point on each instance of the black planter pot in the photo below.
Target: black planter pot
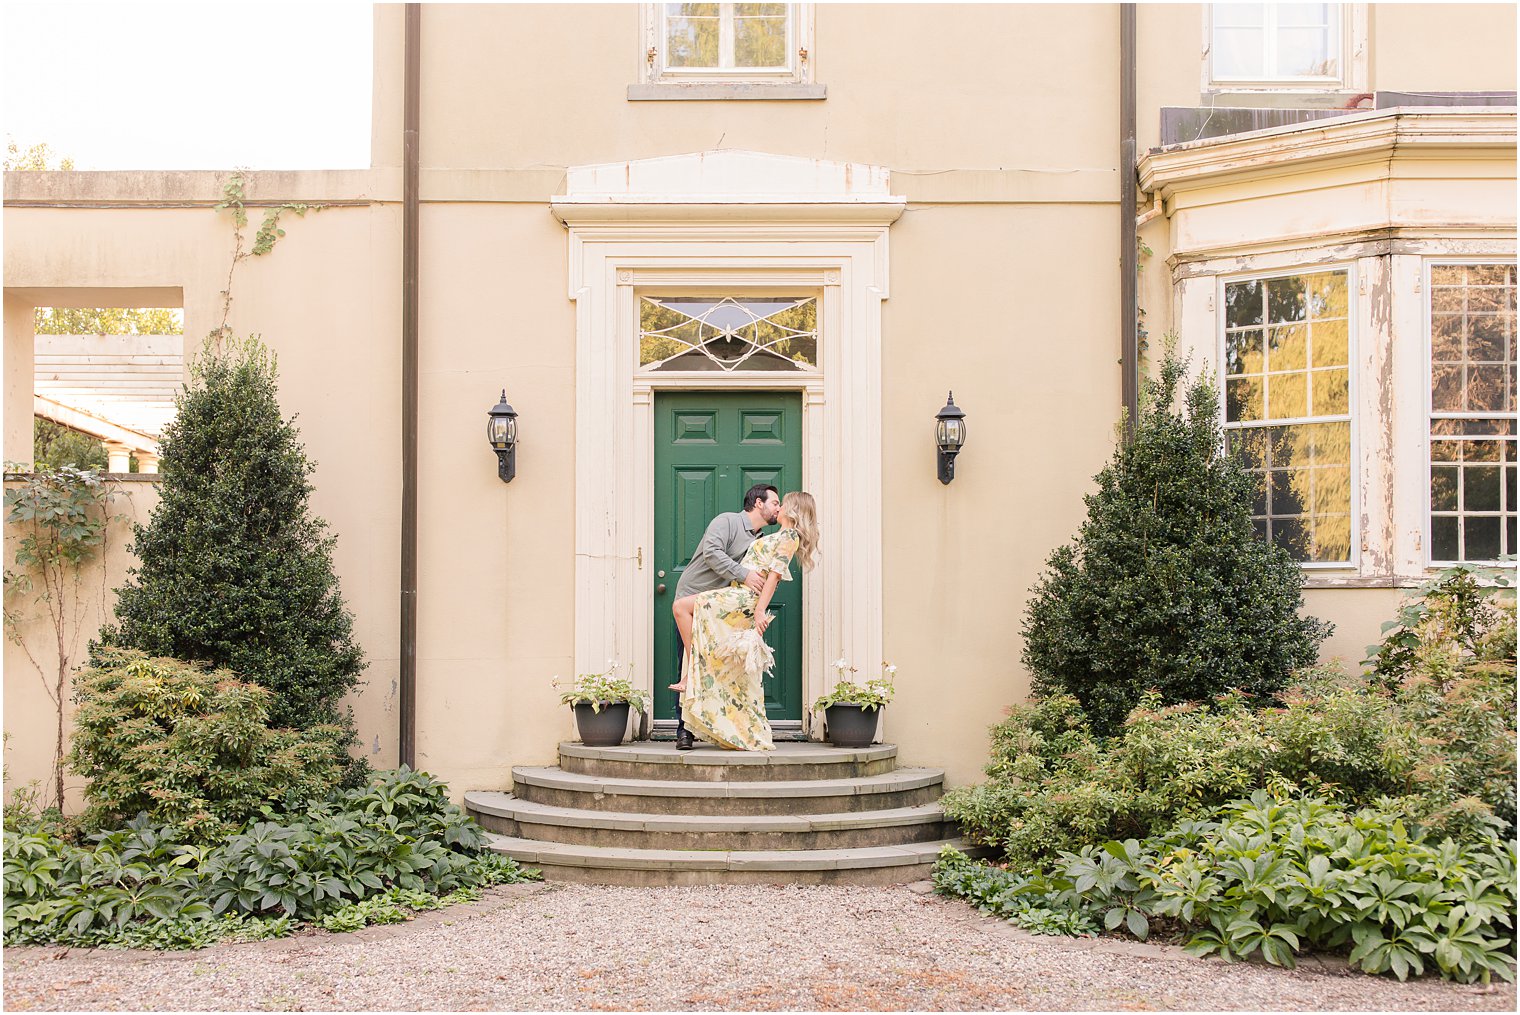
{"x": 604, "y": 728}
{"x": 850, "y": 725}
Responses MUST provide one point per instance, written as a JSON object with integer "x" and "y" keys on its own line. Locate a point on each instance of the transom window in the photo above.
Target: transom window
{"x": 1287, "y": 407}
{"x": 728, "y": 333}
{"x": 725, "y": 40}
{"x": 1277, "y": 43}
{"x": 1472, "y": 412}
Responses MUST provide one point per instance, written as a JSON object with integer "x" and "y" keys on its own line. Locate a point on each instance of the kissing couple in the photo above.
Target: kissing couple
{"x": 720, "y": 613}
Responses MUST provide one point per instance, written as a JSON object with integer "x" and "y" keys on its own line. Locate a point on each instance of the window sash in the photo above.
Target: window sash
{"x": 726, "y": 67}
{"x": 1504, "y": 426}
{"x": 1238, "y": 429}
{"x": 1270, "y": 49}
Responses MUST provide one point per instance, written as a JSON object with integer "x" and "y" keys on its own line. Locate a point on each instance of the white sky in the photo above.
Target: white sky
{"x": 214, "y": 84}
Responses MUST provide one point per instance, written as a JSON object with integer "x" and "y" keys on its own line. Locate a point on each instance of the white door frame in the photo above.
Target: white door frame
{"x": 827, "y": 234}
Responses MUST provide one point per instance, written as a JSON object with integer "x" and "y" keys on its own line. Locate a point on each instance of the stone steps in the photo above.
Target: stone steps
{"x": 510, "y": 816}
{"x": 789, "y": 762}
{"x": 875, "y": 865}
{"x": 906, "y": 787}
{"x": 647, "y": 814}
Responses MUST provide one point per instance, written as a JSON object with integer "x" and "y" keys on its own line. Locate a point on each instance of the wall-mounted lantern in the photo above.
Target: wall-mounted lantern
{"x": 501, "y": 431}
{"x": 950, "y": 435}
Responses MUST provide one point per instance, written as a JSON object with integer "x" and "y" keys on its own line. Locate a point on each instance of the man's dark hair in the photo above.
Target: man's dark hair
{"x": 755, "y": 494}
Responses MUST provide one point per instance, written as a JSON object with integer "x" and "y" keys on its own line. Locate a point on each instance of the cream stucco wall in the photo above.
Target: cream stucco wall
{"x": 998, "y": 125}
{"x": 495, "y": 598}
{"x": 1029, "y": 356}
{"x": 326, "y": 301}
{"x": 898, "y": 94}
{"x": 1443, "y": 47}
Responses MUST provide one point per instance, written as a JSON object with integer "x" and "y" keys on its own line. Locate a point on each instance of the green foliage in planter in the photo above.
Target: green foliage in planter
{"x": 394, "y": 844}
{"x": 870, "y": 695}
{"x": 189, "y": 746}
{"x": 232, "y": 568}
{"x": 1166, "y": 587}
{"x": 1055, "y": 786}
{"x": 605, "y": 688}
{"x": 1278, "y": 874}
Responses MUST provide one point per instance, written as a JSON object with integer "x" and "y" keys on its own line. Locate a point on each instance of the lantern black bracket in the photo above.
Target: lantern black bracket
{"x": 950, "y": 437}
{"x": 501, "y": 431}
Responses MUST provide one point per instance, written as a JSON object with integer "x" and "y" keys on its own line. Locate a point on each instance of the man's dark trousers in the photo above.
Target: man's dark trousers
{"x": 680, "y": 657}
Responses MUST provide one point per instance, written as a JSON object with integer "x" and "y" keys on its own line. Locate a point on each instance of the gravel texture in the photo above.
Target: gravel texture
{"x": 573, "y": 947}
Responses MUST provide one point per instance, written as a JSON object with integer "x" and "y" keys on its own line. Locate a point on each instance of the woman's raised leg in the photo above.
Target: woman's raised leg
{"x": 683, "y": 609}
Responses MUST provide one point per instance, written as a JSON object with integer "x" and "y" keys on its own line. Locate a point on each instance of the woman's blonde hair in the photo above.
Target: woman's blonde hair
{"x": 803, "y": 511}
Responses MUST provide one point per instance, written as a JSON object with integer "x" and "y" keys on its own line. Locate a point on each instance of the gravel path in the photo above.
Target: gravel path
{"x": 570, "y": 947}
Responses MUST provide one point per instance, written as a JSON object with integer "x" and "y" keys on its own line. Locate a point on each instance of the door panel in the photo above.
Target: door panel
{"x": 710, "y": 447}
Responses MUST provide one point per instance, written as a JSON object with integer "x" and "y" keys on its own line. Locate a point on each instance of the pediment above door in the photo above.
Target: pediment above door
{"x": 729, "y": 184}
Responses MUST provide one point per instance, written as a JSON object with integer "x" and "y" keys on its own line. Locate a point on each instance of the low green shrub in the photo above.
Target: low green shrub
{"x": 397, "y": 842}
{"x": 1443, "y": 738}
{"x": 1277, "y": 874}
{"x": 189, "y": 746}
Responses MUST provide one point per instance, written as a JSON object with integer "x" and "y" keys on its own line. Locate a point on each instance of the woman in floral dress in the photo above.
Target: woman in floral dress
{"x": 722, "y": 684}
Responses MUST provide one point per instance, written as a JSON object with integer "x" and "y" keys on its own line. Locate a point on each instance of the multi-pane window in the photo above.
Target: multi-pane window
{"x": 728, "y": 333}
{"x": 1276, "y": 42}
{"x": 1472, "y": 412}
{"x": 727, "y": 40}
{"x": 1288, "y": 407}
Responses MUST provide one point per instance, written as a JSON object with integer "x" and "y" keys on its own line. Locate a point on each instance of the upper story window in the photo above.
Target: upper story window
{"x": 1281, "y": 45}
{"x": 697, "y": 45}
{"x": 747, "y": 38}
{"x": 1287, "y": 394}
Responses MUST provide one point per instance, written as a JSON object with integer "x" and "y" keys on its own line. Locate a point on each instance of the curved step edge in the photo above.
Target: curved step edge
{"x": 890, "y": 782}
{"x": 505, "y": 805}
{"x": 554, "y": 854}
{"x": 702, "y": 756}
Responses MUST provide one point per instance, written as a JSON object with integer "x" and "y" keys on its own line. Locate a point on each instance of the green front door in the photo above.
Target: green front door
{"x": 710, "y": 447}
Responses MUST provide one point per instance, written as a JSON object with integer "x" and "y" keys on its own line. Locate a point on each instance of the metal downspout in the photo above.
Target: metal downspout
{"x": 1129, "y": 310}
{"x": 411, "y": 159}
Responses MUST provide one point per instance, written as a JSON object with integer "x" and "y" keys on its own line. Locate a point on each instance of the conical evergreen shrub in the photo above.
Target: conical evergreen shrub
{"x": 1166, "y": 586}
{"x": 232, "y": 568}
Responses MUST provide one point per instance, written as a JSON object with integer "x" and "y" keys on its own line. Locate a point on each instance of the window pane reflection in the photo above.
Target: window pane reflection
{"x": 1472, "y": 401}
{"x": 1303, "y": 473}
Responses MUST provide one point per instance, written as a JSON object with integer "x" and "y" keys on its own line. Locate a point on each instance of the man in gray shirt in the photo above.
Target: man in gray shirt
{"x": 715, "y": 564}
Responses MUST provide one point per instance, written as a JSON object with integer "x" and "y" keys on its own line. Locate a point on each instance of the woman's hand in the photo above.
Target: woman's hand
{"x": 763, "y": 618}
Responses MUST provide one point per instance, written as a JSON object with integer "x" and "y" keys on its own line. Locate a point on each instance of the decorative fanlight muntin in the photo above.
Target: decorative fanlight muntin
{"x": 728, "y": 333}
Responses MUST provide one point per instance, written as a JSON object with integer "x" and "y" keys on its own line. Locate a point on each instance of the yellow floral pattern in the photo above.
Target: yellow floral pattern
{"x": 724, "y": 702}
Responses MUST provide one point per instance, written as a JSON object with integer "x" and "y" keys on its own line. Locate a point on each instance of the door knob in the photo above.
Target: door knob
{"x": 660, "y": 589}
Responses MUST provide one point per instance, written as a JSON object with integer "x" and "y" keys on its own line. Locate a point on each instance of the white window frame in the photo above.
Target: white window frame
{"x": 1353, "y": 60}
{"x": 1427, "y": 529}
{"x": 1353, "y": 561}
{"x": 799, "y": 41}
